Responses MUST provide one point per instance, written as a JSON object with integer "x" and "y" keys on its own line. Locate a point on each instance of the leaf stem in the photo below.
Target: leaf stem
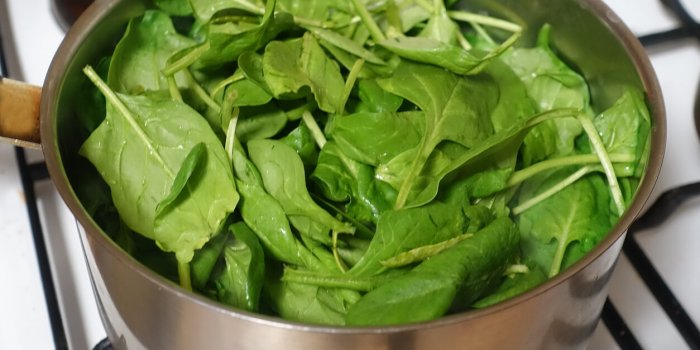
{"x": 231, "y": 135}
{"x": 369, "y": 22}
{"x": 579, "y": 159}
{"x": 184, "y": 274}
{"x": 228, "y": 81}
{"x": 554, "y": 189}
{"x": 338, "y": 260}
{"x": 201, "y": 93}
{"x": 605, "y": 161}
{"x": 470, "y": 17}
{"x": 315, "y": 279}
{"x": 316, "y": 132}
{"x": 186, "y": 60}
{"x": 424, "y": 252}
{"x": 173, "y": 89}
{"x": 350, "y": 83}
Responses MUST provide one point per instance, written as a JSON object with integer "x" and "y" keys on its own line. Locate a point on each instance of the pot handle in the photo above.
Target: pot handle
{"x": 19, "y": 113}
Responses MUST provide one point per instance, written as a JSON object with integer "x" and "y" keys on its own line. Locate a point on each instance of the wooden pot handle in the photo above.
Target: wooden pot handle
{"x": 19, "y": 113}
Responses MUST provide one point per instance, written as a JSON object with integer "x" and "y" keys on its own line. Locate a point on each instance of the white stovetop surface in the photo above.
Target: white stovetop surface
{"x": 23, "y": 319}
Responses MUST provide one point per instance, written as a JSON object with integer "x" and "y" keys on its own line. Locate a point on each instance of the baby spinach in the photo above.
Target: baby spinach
{"x": 228, "y": 40}
{"x": 240, "y": 282}
{"x": 454, "y": 278}
{"x": 138, "y": 153}
{"x": 291, "y": 65}
{"x": 456, "y": 109}
{"x": 283, "y": 176}
{"x": 381, "y": 152}
{"x": 150, "y": 40}
{"x": 578, "y": 213}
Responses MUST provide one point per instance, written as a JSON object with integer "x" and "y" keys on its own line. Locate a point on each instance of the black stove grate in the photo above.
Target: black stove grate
{"x": 657, "y": 214}
{"x": 665, "y": 205}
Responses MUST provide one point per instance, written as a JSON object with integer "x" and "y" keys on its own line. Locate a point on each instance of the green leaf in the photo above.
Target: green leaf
{"x": 456, "y": 109}
{"x": 205, "y": 260}
{"x": 175, "y": 7}
{"x": 578, "y": 213}
{"x": 240, "y": 282}
{"x": 138, "y": 152}
{"x": 624, "y": 129}
{"x": 347, "y": 44}
{"x": 228, "y": 40}
{"x": 192, "y": 161}
{"x": 551, "y": 84}
{"x": 204, "y": 10}
{"x": 344, "y": 180}
{"x": 302, "y": 141}
{"x": 319, "y": 11}
{"x": 260, "y": 122}
{"x": 302, "y": 303}
{"x": 449, "y": 158}
{"x": 402, "y": 230}
{"x": 264, "y": 215}
{"x": 453, "y": 278}
{"x": 283, "y": 176}
{"x": 375, "y": 138}
{"x": 374, "y": 99}
{"x": 139, "y": 57}
{"x": 292, "y": 65}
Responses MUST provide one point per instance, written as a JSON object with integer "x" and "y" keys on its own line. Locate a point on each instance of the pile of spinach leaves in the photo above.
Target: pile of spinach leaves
{"x": 360, "y": 162}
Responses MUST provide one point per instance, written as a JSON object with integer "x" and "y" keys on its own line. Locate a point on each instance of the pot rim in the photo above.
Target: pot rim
{"x": 97, "y": 11}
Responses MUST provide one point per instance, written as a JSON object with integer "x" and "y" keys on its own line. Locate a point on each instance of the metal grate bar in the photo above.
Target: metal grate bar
{"x": 661, "y": 210}
{"x": 618, "y": 328}
{"x": 29, "y": 174}
{"x": 57, "y": 329}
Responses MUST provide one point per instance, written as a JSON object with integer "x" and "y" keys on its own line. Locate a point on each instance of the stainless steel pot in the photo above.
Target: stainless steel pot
{"x": 141, "y": 309}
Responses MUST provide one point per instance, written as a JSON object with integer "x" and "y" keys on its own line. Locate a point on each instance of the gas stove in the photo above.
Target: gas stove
{"x": 46, "y": 300}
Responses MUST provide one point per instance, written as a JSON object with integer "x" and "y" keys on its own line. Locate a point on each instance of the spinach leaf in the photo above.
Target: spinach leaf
{"x": 578, "y": 213}
{"x": 452, "y": 157}
{"x": 175, "y": 7}
{"x": 624, "y": 129}
{"x": 453, "y": 278}
{"x": 240, "y": 282}
{"x": 283, "y": 176}
{"x": 249, "y": 93}
{"x": 138, "y": 152}
{"x": 406, "y": 229}
{"x": 301, "y": 302}
{"x": 204, "y": 10}
{"x": 303, "y": 143}
{"x": 347, "y": 44}
{"x": 374, "y": 99}
{"x": 192, "y": 161}
{"x": 375, "y": 138}
{"x": 139, "y": 57}
{"x": 551, "y": 84}
{"x": 345, "y": 180}
{"x": 260, "y": 122}
{"x": 205, "y": 259}
{"x": 456, "y": 109}
{"x": 228, "y": 40}
{"x": 291, "y": 65}
{"x": 264, "y": 215}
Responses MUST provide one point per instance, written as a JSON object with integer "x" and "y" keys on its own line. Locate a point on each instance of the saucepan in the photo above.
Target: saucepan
{"x": 141, "y": 309}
